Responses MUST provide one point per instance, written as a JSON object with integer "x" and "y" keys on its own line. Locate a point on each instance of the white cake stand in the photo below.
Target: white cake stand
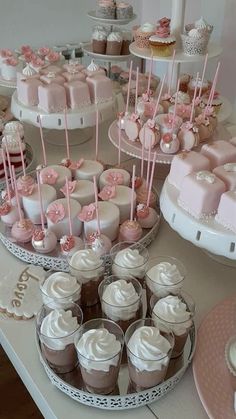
{"x": 88, "y": 50}
{"x": 206, "y": 234}
{"x": 93, "y": 15}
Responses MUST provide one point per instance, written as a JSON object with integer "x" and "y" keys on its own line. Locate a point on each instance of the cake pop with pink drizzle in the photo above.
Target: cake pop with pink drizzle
{"x": 22, "y": 230}
{"x": 70, "y": 244}
{"x": 131, "y": 230}
{"x": 8, "y": 212}
{"x": 25, "y": 183}
{"x": 43, "y": 240}
{"x": 169, "y": 143}
{"x": 99, "y": 243}
{"x": 142, "y": 192}
{"x": 133, "y": 123}
{"x": 122, "y": 116}
{"x": 146, "y": 215}
{"x": 166, "y": 98}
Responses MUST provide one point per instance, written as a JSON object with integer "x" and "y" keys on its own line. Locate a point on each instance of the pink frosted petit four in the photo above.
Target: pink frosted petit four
{"x": 73, "y": 76}
{"x": 51, "y": 77}
{"x": 115, "y": 176}
{"x": 226, "y": 214}
{"x": 200, "y": 194}
{"x": 100, "y": 88}
{"x": 185, "y": 163}
{"x": 73, "y": 64}
{"x": 51, "y": 69}
{"x": 52, "y": 98}
{"x": 219, "y": 153}
{"x": 227, "y": 173}
{"x": 77, "y": 94}
{"x": 27, "y": 91}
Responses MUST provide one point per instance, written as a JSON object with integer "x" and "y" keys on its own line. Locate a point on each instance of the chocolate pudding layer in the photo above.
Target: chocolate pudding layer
{"x": 61, "y": 361}
{"x": 146, "y": 379}
{"x": 89, "y": 292}
{"x": 125, "y": 47}
{"x": 124, "y": 324}
{"x": 100, "y": 382}
{"x": 99, "y": 46}
{"x": 179, "y": 344}
{"x": 113, "y": 48}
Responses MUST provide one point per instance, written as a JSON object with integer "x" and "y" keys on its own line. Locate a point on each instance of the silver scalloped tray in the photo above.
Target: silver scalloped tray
{"x": 124, "y": 397}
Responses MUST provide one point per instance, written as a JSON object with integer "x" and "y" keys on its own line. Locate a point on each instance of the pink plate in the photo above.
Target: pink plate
{"x": 209, "y": 368}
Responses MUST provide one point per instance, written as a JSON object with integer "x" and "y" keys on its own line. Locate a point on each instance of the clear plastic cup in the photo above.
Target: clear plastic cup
{"x": 63, "y": 295}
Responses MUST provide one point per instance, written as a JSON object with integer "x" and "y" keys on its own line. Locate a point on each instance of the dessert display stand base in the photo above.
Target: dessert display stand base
{"x": 124, "y": 397}
{"x": 206, "y": 234}
{"x": 57, "y": 137}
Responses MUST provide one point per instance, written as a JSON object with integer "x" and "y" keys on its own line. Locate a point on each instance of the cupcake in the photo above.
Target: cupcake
{"x": 99, "y": 41}
{"x": 142, "y": 35}
{"x": 114, "y": 43}
{"x": 106, "y": 9}
{"x": 230, "y": 357}
{"x": 162, "y": 42}
{"x": 197, "y": 36}
{"x": 124, "y": 11}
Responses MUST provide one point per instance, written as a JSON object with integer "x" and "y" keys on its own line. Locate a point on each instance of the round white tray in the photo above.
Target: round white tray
{"x": 93, "y": 16}
{"x": 207, "y": 234}
{"x": 11, "y": 84}
{"x": 87, "y": 48}
{"x": 71, "y": 384}
{"x": 214, "y": 50}
{"x": 83, "y": 118}
{"x": 134, "y": 149}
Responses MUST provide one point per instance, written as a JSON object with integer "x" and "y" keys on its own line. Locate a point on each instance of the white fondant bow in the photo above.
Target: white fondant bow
{"x": 230, "y": 167}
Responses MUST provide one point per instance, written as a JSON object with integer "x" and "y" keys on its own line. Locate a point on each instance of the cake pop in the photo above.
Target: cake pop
{"x": 43, "y": 240}
{"x": 142, "y": 192}
{"x": 169, "y": 143}
{"x": 9, "y": 213}
{"x": 131, "y": 230}
{"x": 23, "y": 229}
{"x": 24, "y": 183}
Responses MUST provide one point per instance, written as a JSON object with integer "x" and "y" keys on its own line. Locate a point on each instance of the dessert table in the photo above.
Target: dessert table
{"x": 207, "y": 281}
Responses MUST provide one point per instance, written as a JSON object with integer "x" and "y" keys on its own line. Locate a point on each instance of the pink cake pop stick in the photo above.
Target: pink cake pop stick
{"x": 136, "y": 91}
{"x": 21, "y": 154}
{"x": 172, "y": 72}
{"x": 96, "y": 139}
{"x": 142, "y": 159}
{"x": 194, "y": 98}
{"x": 128, "y": 90}
{"x": 68, "y": 205}
{"x": 159, "y": 97}
{"x": 9, "y": 166}
{"x": 42, "y": 141}
{"x": 66, "y": 133}
{"x": 6, "y": 176}
{"x": 203, "y": 75}
{"x": 40, "y": 200}
{"x": 150, "y": 75}
{"x": 96, "y": 204}
{"x": 132, "y": 195}
{"x": 119, "y": 139}
{"x": 148, "y": 164}
{"x": 17, "y": 195}
{"x": 175, "y": 107}
{"x": 212, "y": 90}
{"x": 151, "y": 179}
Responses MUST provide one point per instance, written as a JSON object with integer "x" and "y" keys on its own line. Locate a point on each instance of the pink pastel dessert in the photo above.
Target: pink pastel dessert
{"x": 114, "y": 176}
{"x": 130, "y": 231}
{"x": 100, "y": 88}
{"x": 227, "y": 173}
{"x": 168, "y": 123}
{"x": 109, "y": 216}
{"x": 219, "y": 153}
{"x": 150, "y": 134}
{"x": 146, "y": 216}
{"x": 94, "y": 70}
{"x": 44, "y": 240}
{"x": 58, "y": 219}
{"x": 226, "y": 214}
{"x": 142, "y": 194}
{"x": 37, "y": 64}
{"x": 146, "y": 106}
{"x": 73, "y": 64}
{"x": 9, "y": 68}
{"x": 188, "y": 136}
{"x": 133, "y": 126}
{"x": 5, "y": 53}
{"x": 77, "y": 94}
{"x": 28, "y": 73}
{"x": 169, "y": 143}
{"x": 121, "y": 196}
{"x": 12, "y": 143}
{"x": 73, "y": 75}
{"x": 166, "y": 102}
{"x": 88, "y": 169}
{"x": 81, "y": 190}
{"x": 205, "y": 129}
{"x": 55, "y": 176}
{"x": 70, "y": 244}
{"x": 9, "y": 214}
{"x": 25, "y": 184}
{"x": 51, "y": 77}
{"x": 182, "y": 110}
{"x": 43, "y": 51}
{"x": 99, "y": 243}
{"x": 53, "y": 57}
{"x": 22, "y": 230}
{"x": 200, "y": 194}
{"x": 185, "y": 163}
{"x": 27, "y": 91}
{"x": 31, "y": 203}
{"x": 52, "y": 98}
{"x": 51, "y": 69}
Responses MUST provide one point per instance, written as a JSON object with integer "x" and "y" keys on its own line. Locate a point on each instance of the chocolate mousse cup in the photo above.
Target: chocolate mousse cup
{"x": 63, "y": 302}
{"x": 99, "y": 46}
{"x": 138, "y": 271}
{"x": 114, "y": 47}
{"x": 96, "y": 379}
{"x": 60, "y": 360}
{"x": 140, "y": 378}
{"x": 123, "y": 315}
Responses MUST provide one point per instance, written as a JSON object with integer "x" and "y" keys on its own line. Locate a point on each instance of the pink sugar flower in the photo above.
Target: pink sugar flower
{"x": 25, "y": 49}
{"x": 5, "y": 208}
{"x": 55, "y": 212}
{"x": 53, "y": 56}
{"x": 87, "y": 213}
{"x": 71, "y": 186}
{"x": 11, "y": 61}
{"x": 108, "y": 192}
{"x": 38, "y": 234}
{"x": 25, "y": 190}
{"x": 115, "y": 178}
{"x": 5, "y": 53}
{"x": 43, "y": 51}
{"x": 49, "y": 176}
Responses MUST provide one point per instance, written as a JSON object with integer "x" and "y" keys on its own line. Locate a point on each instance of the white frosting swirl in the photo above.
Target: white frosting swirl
{"x": 115, "y": 37}
{"x": 12, "y": 143}
{"x": 93, "y": 67}
{"x": 14, "y": 127}
{"x": 29, "y": 71}
{"x": 164, "y": 278}
{"x": 98, "y": 350}
{"x": 99, "y": 35}
{"x": 129, "y": 262}
{"x": 58, "y": 329}
{"x": 174, "y": 311}
{"x": 60, "y": 286}
{"x": 194, "y": 33}
{"x": 148, "y": 349}
{"x": 85, "y": 265}
{"x": 147, "y": 27}
{"x": 120, "y": 301}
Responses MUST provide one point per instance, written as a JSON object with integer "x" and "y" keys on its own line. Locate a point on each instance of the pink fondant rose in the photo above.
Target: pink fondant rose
{"x": 5, "y": 208}
{"x": 115, "y": 178}
{"x": 164, "y": 22}
{"x": 37, "y": 62}
{"x": 92, "y": 237}
{"x": 163, "y": 32}
{"x": 38, "y": 234}
{"x": 186, "y": 126}
{"x": 71, "y": 187}
{"x": 55, "y": 212}
{"x": 67, "y": 243}
{"x": 5, "y": 53}
{"x": 167, "y": 137}
{"x": 53, "y": 56}
{"x": 28, "y": 56}
{"x": 76, "y": 164}
{"x": 107, "y": 192}
{"x": 134, "y": 117}
{"x": 11, "y": 61}
{"x": 49, "y": 176}
{"x": 26, "y": 48}
{"x": 87, "y": 213}
{"x": 43, "y": 51}
{"x": 25, "y": 190}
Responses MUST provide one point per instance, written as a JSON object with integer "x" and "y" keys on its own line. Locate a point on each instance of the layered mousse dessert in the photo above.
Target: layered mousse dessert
{"x": 60, "y": 289}
{"x": 176, "y": 314}
{"x": 99, "y": 353}
{"x": 56, "y": 330}
{"x": 148, "y": 354}
{"x": 87, "y": 267}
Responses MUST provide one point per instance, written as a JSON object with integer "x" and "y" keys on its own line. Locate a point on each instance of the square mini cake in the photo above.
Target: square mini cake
{"x": 200, "y": 194}
{"x": 52, "y": 98}
{"x": 73, "y": 76}
{"x": 100, "y": 88}
{"x": 185, "y": 163}
{"x": 52, "y": 78}
{"x": 227, "y": 173}
{"x": 77, "y": 94}
{"x": 226, "y": 214}
{"x": 219, "y": 153}
{"x": 27, "y": 91}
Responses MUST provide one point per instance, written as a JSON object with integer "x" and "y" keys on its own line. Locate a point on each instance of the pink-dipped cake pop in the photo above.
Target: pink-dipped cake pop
{"x": 8, "y": 212}
{"x": 142, "y": 192}
{"x": 131, "y": 230}
{"x": 23, "y": 229}
{"x": 43, "y": 240}
{"x": 24, "y": 183}
{"x": 169, "y": 143}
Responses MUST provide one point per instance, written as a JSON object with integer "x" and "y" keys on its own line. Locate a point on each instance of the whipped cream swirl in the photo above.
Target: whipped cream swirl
{"x": 58, "y": 329}
{"x": 129, "y": 262}
{"x": 164, "y": 278}
{"x": 85, "y": 265}
{"x": 93, "y": 66}
{"x": 58, "y": 287}
{"x": 98, "y": 350}
{"x": 148, "y": 349}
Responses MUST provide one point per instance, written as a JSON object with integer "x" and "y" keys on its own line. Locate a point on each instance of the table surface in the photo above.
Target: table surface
{"x": 207, "y": 281}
